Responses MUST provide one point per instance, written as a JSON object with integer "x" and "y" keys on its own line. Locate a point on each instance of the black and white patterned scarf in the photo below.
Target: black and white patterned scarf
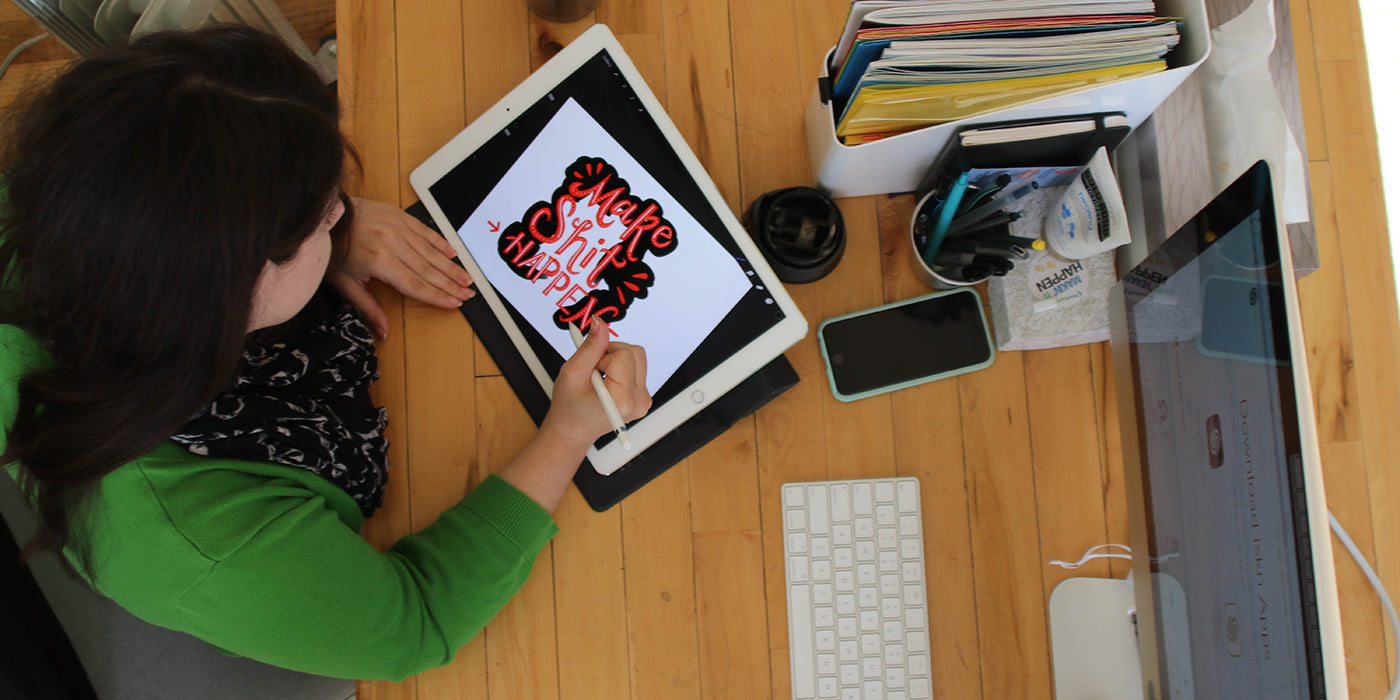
{"x": 302, "y": 400}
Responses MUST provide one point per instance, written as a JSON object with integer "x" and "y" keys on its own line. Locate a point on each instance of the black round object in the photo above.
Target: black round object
{"x": 800, "y": 231}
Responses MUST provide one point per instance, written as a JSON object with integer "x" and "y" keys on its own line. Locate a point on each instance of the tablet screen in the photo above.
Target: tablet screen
{"x": 580, "y": 207}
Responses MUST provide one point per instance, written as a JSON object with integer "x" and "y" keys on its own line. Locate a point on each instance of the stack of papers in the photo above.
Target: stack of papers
{"x": 906, "y": 64}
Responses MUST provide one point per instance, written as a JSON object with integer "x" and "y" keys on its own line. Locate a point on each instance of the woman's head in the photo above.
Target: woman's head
{"x": 155, "y": 180}
{"x": 148, "y": 189}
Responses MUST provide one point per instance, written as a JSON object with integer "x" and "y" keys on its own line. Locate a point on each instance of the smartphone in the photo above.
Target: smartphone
{"x": 906, "y": 343}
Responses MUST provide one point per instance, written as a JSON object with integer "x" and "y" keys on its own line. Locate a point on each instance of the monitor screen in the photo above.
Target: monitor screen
{"x": 1220, "y": 458}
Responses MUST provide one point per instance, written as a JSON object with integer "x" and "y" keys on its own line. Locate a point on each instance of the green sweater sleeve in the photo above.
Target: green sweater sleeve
{"x": 286, "y": 582}
{"x": 266, "y": 561}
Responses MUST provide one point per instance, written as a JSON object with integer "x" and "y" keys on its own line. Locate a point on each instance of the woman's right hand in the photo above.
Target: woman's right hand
{"x": 576, "y": 413}
{"x": 547, "y": 463}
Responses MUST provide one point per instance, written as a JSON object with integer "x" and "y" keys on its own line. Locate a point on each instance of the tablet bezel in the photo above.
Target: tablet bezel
{"x": 692, "y": 399}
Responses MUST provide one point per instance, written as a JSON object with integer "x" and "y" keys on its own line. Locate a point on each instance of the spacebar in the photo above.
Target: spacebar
{"x": 800, "y": 644}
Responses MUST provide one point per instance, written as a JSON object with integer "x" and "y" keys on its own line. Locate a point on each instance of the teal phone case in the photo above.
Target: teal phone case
{"x": 826, "y": 359}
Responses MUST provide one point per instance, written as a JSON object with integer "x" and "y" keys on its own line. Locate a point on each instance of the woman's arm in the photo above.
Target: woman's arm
{"x": 546, "y": 465}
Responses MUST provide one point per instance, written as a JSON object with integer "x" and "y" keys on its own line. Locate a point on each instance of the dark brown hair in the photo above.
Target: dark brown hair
{"x": 147, "y": 188}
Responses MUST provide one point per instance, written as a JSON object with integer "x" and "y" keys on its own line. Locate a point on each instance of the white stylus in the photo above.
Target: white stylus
{"x": 609, "y": 407}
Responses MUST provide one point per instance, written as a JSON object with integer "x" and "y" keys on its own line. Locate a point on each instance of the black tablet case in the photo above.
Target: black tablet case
{"x": 603, "y": 492}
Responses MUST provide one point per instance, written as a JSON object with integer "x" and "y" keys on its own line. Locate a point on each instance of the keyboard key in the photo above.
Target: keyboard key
{"x": 916, "y": 642}
{"x": 825, "y": 640}
{"x": 919, "y": 689}
{"x": 797, "y": 520}
{"x": 909, "y": 548}
{"x": 914, "y": 594}
{"x": 844, "y": 558}
{"x": 850, "y": 674}
{"x": 799, "y": 615}
{"x": 892, "y": 631}
{"x": 894, "y": 678}
{"x": 840, "y": 503}
{"x": 816, "y": 510}
{"x": 889, "y": 584}
{"x": 821, "y": 570}
{"x": 846, "y": 627}
{"x": 897, "y": 695}
{"x": 845, "y": 581}
{"x": 865, "y": 574}
{"x": 827, "y": 688}
{"x": 907, "y": 497}
{"x": 841, "y": 534}
{"x": 861, "y": 499}
{"x": 846, "y": 604}
{"x": 869, "y": 620}
{"x": 865, "y": 551}
{"x": 870, "y": 644}
{"x": 821, "y": 547}
{"x": 824, "y": 617}
{"x": 914, "y": 618}
{"x": 792, "y": 496}
{"x": 886, "y": 515}
{"x": 913, "y": 572}
{"x": 918, "y": 665}
{"x": 797, "y": 543}
{"x": 884, "y": 492}
{"x": 908, "y": 525}
{"x": 886, "y": 538}
{"x": 850, "y": 694}
{"x": 889, "y": 561}
{"x": 868, "y": 597}
{"x": 872, "y": 667}
{"x": 797, "y": 569}
{"x": 826, "y": 664}
{"x": 865, "y": 528}
{"x": 889, "y": 609}
{"x": 894, "y": 656}
{"x": 873, "y": 690}
{"x": 848, "y": 651}
{"x": 821, "y": 594}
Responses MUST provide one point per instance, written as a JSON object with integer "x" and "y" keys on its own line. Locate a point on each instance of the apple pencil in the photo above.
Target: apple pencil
{"x": 610, "y": 408}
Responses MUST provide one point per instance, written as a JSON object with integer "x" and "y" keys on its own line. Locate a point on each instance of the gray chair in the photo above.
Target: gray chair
{"x": 127, "y": 658}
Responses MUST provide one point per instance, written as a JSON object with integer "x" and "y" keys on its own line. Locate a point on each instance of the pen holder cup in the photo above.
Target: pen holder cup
{"x": 936, "y": 276}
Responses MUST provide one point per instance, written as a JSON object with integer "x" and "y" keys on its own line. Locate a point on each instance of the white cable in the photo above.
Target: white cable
{"x": 1380, "y": 591}
{"x": 1090, "y": 554}
{"x": 19, "y": 50}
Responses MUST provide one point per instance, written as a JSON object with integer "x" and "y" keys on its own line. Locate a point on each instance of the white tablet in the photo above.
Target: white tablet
{"x": 575, "y": 196}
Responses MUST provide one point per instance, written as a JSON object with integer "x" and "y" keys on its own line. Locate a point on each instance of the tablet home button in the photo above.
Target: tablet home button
{"x": 697, "y": 396}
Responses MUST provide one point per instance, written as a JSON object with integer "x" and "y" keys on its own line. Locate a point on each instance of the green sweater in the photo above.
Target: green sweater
{"x": 265, "y": 561}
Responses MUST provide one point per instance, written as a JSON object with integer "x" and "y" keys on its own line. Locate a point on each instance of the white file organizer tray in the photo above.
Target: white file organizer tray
{"x": 899, "y": 163}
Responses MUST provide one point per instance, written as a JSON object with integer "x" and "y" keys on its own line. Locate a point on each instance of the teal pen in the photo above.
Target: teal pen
{"x": 945, "y": 216}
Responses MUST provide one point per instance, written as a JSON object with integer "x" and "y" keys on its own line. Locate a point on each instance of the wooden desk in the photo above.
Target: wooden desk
{"x": 677, "y": 592}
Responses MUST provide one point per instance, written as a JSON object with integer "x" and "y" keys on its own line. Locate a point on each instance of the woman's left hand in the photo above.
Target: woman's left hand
{"x": 387, "y": 244}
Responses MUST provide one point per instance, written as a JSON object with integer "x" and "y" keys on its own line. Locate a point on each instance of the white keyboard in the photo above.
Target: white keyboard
{"x": 857, "y": 612}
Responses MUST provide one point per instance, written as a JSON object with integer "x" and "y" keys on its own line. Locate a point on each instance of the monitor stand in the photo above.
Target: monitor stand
{"x": 1093, "y": 639}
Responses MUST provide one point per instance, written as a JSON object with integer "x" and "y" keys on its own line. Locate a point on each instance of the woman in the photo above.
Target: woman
{"x": 183, "y": 387}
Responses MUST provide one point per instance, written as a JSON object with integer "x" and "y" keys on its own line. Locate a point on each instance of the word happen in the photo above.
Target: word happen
{"x": 593, "y": 231}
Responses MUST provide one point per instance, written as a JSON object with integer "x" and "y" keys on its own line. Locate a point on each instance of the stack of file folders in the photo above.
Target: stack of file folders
{"x": 906, "y": 64}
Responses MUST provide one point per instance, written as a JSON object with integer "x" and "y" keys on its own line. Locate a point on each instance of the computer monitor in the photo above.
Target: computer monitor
{"x": 1233, "y": 575}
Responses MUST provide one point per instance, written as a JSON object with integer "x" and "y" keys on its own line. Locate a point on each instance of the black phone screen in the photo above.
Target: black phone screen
{"x": 917, "y": 340}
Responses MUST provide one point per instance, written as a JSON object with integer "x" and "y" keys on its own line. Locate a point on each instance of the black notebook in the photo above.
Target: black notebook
{"x": 1057, "y": 142}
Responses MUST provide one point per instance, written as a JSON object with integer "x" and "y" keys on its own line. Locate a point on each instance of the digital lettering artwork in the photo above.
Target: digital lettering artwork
{"x": 591, "y": 235}
{"x": 577, "y": 229}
